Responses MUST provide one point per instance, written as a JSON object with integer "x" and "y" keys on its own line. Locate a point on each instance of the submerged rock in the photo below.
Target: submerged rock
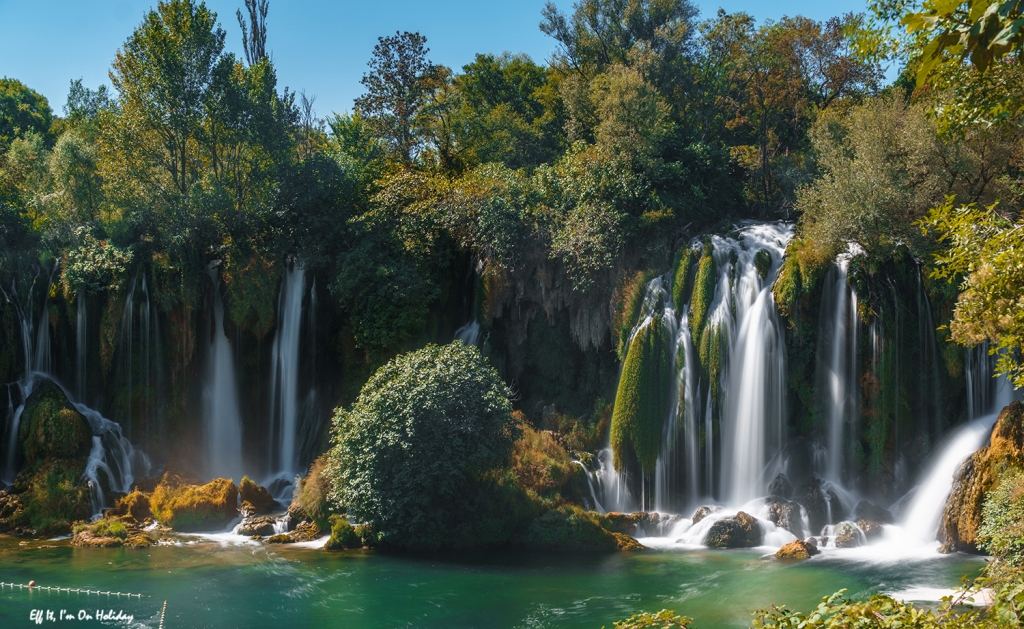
{"x": 866, "y": 510}
{"x": 740, "y": 531}
{"x": 281, "y": 538}
{"x": 786, "y": 515}
{"x": 979, "y": 474}
{"x": 704, "y": 512}
{"x": 780, "y": 487}
{"x": 797, "y": 549}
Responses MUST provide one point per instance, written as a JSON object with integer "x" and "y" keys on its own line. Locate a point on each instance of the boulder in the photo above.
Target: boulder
{"x": 780, "y": 487}
{"x": 847, "y": 535}
{"x": 820, "y": 501}
{"x": 262, "y": 526}
{"x": 12, "y": 512}
{"x": 343, "y": 535}
{"x": 740, "y": 531}
{"x": 786, "y": 515}
{"x": 134, "y": 505}
{"x": 305, "y": 532}
{"x": 87, "y": 539}
{"x": 280, "y": 539}
{"x": 869, "y": 511}
{"x": 641, "y": 523}
{"x": 257, "y": 496}
{"x": 140, "y": 540}
{"x": 872, "y": 530}
{"x": 797, "y": 549}
{"x": 187, "y": 507}
{"x": 51, "y": 427}
{"x": 704, "y": 512}
{"x": 979, "y": 474}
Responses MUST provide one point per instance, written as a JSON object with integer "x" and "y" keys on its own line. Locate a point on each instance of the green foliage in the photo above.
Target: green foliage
{"x": 51, "y": 427}
{"x": 94, "y": 266}
{"x": 22, "y": 110}
{"x": 311, "y": 500}
{"x": 104, "y": 528}
{"x": 763, "y": 262}
{"x": 54, "y": 497}
{"x": 665, "y": 619}
{"x": 423, "y": 430}
{"x": 1002, "y": 526}
{"x": 569, "y": 528}
{"x": 987, "y": 251}
{"x": 681, "y": 286}
{"x": 186, "y": 507}
{"x": 630, "y": 303}
{"x": 642, "y": 399}
{"x": 252, "y": 285}
{"x": 343, "y": 535}
{"x": 543, "y": 467}
{"x": 703, "y": 294}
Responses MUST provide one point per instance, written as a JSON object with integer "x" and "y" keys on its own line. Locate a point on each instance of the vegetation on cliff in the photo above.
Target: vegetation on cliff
{"x": 643, "y": 397}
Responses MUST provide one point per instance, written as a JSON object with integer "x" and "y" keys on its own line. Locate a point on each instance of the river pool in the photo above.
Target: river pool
{"x": 219, "y": 583}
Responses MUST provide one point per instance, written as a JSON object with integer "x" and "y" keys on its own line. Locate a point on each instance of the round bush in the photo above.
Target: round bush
{"x": 424, "y": 429}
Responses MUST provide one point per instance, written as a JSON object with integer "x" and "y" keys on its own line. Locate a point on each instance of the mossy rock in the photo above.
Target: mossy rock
{"x": 740, "y": 531}
{"x": 135, "y": 505}
{"x": 570, "y": 528}
{"x": 681, "y": 284}
{"x": 281, "y": 538}
{"x": 257, "y": 496}
{"x": 797, "y": 549}
{"x": 55, "y": 495}
{"x": 763, "y": 262}
{"x": 642, "y": 399}
{"x": 186, "y": 507}
{"x": 977, "y": 476}
{"x": 703, "y": 294}
{"x": 343, "y": 535}
{"x": 51, "y": 428}
{"x": 140, "y": 540}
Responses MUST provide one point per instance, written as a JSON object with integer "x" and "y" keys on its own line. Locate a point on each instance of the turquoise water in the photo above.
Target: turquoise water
{"x": 209, "y": 584}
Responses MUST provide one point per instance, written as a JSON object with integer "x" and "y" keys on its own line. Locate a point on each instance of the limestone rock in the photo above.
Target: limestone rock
{"x": 848, "y": 535}
{"x": 780, "y": 487}
{"x": 704, "y": 512}
{"x": 261, "y": 526}
{"x": 257, "y": 496}
{"x": 797, "y": 549}
{"x": 786, "y": 515}
{"x": 188, "y": 507}
{"x": 979, "y": 474}
{"x": 740, "y": 531}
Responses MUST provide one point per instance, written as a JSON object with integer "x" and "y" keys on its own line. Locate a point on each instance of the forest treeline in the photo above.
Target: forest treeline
{"x": 557, "y": 182}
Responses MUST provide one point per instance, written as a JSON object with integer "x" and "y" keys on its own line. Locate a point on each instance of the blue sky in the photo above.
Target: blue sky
{"x": 317, "y": 45}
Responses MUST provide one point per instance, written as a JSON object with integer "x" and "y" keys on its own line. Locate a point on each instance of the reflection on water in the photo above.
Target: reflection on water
{"x": 207, "y": 584}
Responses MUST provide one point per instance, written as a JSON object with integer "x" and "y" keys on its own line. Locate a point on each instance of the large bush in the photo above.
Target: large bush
{"x": 412, "y": 448}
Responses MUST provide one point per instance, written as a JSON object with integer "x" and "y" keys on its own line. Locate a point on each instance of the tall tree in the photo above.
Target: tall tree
{"x": 254, "y": 34}
{"x": 397, "y": 89}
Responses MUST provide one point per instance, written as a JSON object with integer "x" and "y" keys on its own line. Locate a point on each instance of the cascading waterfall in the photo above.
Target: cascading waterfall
{"x": 837, "y": 382}
{"x": 469, "y": 333}
{"x": 734, "y": 408}
{"x": 285, "y": 360}
{"x": 223, "y": 420}
{"x": 81, "y": 344}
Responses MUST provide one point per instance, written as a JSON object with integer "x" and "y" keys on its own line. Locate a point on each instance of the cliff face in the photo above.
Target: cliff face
{"x": 977, "y": 476}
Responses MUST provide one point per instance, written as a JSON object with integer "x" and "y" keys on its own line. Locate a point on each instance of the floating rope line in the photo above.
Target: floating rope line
{"x": 22, "y": 586}
{"x": 162, "y": 613}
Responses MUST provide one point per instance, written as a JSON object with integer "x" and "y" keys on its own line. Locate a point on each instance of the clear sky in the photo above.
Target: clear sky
{"x": 317, "y": 45}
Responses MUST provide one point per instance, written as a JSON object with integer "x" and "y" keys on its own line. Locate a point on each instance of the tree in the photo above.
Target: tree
{"x": 397, "y": 87}
{"x": 424, "y": 429}
{"x": 22, "y": 110}
{"x": 254, "y": 34}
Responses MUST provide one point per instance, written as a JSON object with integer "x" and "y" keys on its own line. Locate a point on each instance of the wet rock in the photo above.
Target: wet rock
{"x": 188, "y": 507}
{"x": 704, "y": 512}
{"x": 785, "y": 514}
{"x": 140, "y": 540}
{"x": 869, "y": 511}
{"x": 570, "y": 528}
{"x": 740, "y": 531}
{"x": 797, "y": 549}
{"x": 305, "y": 532}
{"x": 280, "y": 539}
{"x": 780, "y": 487}
{"x": 820, "y": 501}
{"x": 257, "y": 496}
{"x": 134, "y": 505}
{"x": 979, "y": 474}
{"x": 641, "y": 523}
{"x": 848, "y": 535}
{"x": 261, "y": 526}
{"x": 86, "y": 539}
{"x": 872, "y": 530}
{"x": 343, "y": 535}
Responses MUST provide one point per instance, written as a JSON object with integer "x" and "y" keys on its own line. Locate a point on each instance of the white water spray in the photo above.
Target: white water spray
{"x": 223, "y": 421}
{"x": 285, "y": 357}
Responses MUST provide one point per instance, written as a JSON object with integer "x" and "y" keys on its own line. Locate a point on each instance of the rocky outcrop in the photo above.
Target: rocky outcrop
{"x": 740, "y": 531}
{"x": 872, "y": 530}
{"x": 798, "y": 549}
{"x": 258, "y": 497}
{"x": 848, "y": 535}
{"x": 261, "y": 526}
{"x": 786, "y": 515}
{"x": 187, "y": 507}
{"x": 51, "y": 427}
{"x": 703, "y": 512}
{"x": 780, "y": 487}
{"x": 821, "y": 502}
{"x": 979, "y": 474}
{"x": 134, "y": 505}
{"x": 866, "y": 510}
{"x": 641, "y": 523}
{"x": 569, "y": 528}
{"x": 12, "y": 512}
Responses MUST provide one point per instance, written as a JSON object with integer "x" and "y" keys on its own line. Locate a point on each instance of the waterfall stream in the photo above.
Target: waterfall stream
{"x": 284, "y": 389}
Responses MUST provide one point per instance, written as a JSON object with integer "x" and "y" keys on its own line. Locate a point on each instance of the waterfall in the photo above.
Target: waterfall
{"x": 285, "y": 360}
{"x": 726, "y": 424}
{"x": 837, "y": 380}
{"x": 223, "y": 420}
{"x": 81, "y": 344}
{"x": 925, "y": 510}
{"x": 126, "y": 350}
{"x": 469, "y": 333}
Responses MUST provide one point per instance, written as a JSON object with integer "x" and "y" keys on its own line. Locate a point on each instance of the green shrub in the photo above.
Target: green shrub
{"x": 343, "y": 536}
{"x": 642, "y": 399}
{"x": 310, "y": 500}
{"x": 424, "y": 429}
{"x": 55, "y": 498}
{"x": 1002, "y": 519}
{"x": 543, "y": 466}
{"x": 630, "y": 300}
{"x": 104, "y": 528}
{"x": 665, "y": 619}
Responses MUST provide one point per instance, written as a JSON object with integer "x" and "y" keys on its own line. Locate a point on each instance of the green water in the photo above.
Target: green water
{"x": 250, "y": 586}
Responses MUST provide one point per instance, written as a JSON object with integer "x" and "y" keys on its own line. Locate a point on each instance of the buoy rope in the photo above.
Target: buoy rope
{"x": 22, "y": 586}
{"x": 162, "y": 613}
